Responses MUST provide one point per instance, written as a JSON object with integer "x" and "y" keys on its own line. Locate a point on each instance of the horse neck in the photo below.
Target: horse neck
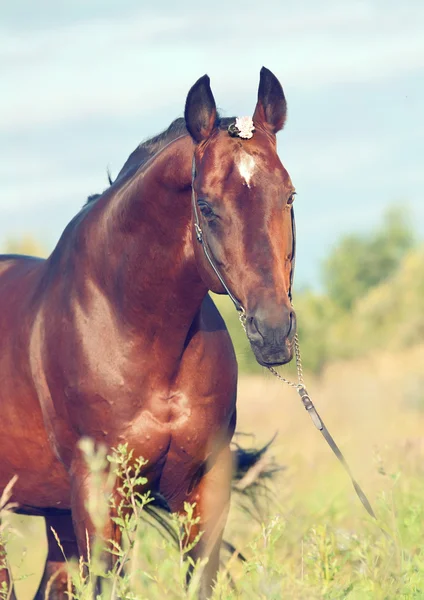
{"x": 145, "y": 263}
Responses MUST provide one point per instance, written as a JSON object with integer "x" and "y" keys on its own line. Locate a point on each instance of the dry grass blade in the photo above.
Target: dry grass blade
{"x": 50, "y": 584}
{"x": 87, "y": 539}
{"x": 5, "y": 505}
{"x": 56, "y": 537}
{"x": 264, "y": 466}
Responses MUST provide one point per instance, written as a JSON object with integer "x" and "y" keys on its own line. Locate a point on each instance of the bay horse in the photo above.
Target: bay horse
{"x": 115, "y": 337}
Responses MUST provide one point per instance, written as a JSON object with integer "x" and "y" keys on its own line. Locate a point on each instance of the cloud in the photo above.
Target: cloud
{"x": 135, "y": 63}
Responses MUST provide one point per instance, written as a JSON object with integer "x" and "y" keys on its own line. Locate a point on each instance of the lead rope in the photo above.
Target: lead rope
{"x": 316, "y": 419}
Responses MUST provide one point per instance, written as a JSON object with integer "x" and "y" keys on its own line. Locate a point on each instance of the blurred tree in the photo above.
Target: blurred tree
{"x": 23, "y": 245}
{"x": 391, "y": 315}
{"x": 316, "y": 315}
{"x": 360, "y": 262}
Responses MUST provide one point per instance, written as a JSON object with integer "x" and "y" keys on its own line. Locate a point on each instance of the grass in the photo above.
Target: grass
{"x": 312, "y": 538}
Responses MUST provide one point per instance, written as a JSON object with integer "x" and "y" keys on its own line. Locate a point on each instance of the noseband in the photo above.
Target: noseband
{"x": 300, "y": 386}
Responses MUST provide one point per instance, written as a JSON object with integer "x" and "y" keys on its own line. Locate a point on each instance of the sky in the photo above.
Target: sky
{"x": 82, "y": 82}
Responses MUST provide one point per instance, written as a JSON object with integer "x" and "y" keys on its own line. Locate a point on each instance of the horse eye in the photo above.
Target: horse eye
{"x": 205, "y": 209}
{"x": 291, "y": 198}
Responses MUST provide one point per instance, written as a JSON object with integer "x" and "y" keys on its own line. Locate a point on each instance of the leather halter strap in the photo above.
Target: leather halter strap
{"x": 293, "y": 253}
{"x": 203, "y": 241}
{"x": 319, "y": 424}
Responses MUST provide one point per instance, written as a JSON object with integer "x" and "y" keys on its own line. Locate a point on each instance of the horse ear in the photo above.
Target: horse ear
{"x": 271, "y": 108}
{"x": 200, "y": 110}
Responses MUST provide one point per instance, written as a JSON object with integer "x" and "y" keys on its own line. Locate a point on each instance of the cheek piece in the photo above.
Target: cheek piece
{"x": 200, "y": 238}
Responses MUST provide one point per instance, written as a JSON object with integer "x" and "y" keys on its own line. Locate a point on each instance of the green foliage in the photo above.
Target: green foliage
{"x": 119, "y": 488}
{"x": 5, "y": 531}
{"x": 25, "y": 244}
{"x": 315, "y": 314}
{"x": 393, "y": 311}
{"x": 360, "y": 262}
{"x": 327, "y": 560}
{"x": 313, "y": 540}
{"x": 390, "y": 316}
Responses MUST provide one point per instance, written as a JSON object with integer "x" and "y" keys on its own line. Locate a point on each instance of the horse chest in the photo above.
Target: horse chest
{"x": 160, "y": 421}
{"x": 148, "y": 385}
{"x": 189, "y": 419}
{"x": 178, "y": 439}
{"x": 151, "y": 422}
{"x": 169, "y": 407}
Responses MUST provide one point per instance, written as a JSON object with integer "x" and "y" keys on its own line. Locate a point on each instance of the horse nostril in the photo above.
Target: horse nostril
{"x": 292, "y": 322}
{"x": 252, "y": 325}
{"x": 253, "y": 329}
{"x": 261, "y": 329}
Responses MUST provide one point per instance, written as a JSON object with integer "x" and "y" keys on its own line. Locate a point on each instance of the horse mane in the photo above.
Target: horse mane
{"x": 150, "y": 147}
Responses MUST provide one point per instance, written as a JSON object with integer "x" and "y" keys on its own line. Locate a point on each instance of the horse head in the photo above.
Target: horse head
{"x": 242, "y": 214}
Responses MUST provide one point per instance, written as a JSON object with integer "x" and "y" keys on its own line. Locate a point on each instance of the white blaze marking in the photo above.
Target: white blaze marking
{"x": 246, "y": 167}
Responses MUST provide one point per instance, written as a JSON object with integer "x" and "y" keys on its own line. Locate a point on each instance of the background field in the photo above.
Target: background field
{"x": 362, "y": 339}
{"x": 325, "y": 542}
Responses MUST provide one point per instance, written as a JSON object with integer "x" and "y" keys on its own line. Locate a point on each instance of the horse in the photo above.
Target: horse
{"x": 114, "y": 336}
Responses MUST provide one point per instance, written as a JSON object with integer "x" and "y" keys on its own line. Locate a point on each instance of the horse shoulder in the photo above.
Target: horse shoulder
{"x": 213, "y": 326}
{"x": 209, "y": 361}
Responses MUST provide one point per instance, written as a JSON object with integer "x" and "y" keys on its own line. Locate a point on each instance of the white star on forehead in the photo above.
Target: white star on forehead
{"x": 246, "y": 166}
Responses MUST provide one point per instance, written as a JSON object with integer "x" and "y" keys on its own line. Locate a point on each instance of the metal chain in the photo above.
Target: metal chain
{"x": 242, "y": 318}
{"x": 300, "y": 383}
{"x": 316, "y": 419}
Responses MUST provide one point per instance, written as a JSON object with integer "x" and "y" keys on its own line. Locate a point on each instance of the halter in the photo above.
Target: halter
{"x": 299, "y": 386}
{"x": 202, "y": 240}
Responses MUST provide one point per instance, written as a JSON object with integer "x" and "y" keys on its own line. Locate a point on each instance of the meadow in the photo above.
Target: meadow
{"x": 308, "y": 537}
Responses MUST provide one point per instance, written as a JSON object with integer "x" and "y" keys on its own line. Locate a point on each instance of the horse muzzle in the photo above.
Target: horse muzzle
{"x": 271, "y": 335}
